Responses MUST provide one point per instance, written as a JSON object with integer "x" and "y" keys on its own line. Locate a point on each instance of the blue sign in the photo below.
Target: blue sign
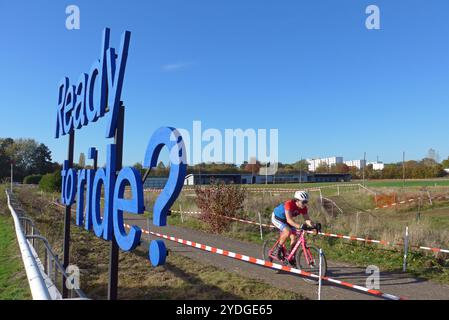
{"x": 77, "y": 107}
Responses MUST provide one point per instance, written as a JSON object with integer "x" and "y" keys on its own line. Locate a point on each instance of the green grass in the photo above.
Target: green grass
{"x": 408, "y": 183}
{"x": 13, "y": 281}
{"x": 419, "y": 264}
{"x": 368, "y": 183}
{"x": 295, "y": 186}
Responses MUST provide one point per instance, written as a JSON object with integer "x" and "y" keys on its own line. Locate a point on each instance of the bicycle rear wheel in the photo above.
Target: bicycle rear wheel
{"x": 311, "y": 264}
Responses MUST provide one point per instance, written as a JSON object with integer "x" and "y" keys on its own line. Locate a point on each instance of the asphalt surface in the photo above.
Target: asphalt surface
{"x": 397, "y": 283}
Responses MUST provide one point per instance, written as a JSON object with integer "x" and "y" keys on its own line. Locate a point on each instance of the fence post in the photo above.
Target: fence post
{"x": 404, "y": 265}
{"x": 321, "y": 197}
{"x": 338, "y": 190}
{"x": 55, "y": 270}
{"x": 32, "y": 233}
{"x": 260, "y": 225}
{"x": 45, "y": 259}
{"x": 430, "y": 197}
{"x": 320, "y": 274}
{"x": 49, "y": 265}
{"x": 180, "y": 210}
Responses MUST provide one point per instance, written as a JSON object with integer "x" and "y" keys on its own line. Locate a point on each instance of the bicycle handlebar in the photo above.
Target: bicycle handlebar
{"x": 307, "y": 228}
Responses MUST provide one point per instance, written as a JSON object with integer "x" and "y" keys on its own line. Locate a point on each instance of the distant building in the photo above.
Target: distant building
{"x": 207, "y": 178}
{"x": 202, "y": 179}
{"x": 359, "y": 164}
{"x": 278, "y": 178}
{"x": 155, "y": 182}
{"x": 377, "y": 165}
{"x": 329, "y": 177}
{"x": 315, "y": 163}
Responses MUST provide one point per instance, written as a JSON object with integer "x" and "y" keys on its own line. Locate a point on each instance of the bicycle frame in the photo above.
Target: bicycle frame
{"x": 300, "y": 242}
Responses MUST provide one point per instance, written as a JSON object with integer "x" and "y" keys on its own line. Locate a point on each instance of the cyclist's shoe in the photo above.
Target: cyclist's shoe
{"x": 286, "y": 263}
{"x": 293, "y": 262}
{"x": 277, "y": 252}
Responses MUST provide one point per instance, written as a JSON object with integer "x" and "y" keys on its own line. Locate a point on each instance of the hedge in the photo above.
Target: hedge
{"x": 51, "y": 182}
{"x": 32, "y": 179}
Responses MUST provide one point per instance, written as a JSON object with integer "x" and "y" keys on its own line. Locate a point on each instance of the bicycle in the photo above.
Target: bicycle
{"x": 305, "y": 259}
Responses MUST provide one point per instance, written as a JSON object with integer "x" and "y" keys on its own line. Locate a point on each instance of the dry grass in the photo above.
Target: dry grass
{"x": 179, "y": 278}
{"x": 429, "y": 228}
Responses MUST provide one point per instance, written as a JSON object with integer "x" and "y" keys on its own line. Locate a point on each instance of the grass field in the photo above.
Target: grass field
{"x": 409, "y": 183}
{"x": 13, "y": 281}
{"x": 442, "y": 182}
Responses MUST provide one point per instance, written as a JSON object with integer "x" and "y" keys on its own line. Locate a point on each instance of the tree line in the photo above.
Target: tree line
{"x": 28, "y": 157}
{"x": 412, "y": 169}
{"x": 31, "y": 158}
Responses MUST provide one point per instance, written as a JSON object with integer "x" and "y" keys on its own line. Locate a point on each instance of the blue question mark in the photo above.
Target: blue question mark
{"x": 172, "y": 139}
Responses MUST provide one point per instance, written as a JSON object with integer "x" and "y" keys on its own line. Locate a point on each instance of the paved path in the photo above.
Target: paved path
{"x": 396, "y": 283}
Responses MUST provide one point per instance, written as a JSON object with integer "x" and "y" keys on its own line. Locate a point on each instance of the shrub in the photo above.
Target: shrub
{"x": 51, "y": 182}
{"x": 219, "y": 201}
{"x": 32, "y": 179}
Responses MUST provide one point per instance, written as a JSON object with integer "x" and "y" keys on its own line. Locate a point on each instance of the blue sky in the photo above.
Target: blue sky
{"x": 308, "y": 68}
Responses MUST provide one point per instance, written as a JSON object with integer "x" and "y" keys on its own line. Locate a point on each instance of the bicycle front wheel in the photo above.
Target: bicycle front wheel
{"x": 309, "y": 261}
{"x": 268, "y": 246}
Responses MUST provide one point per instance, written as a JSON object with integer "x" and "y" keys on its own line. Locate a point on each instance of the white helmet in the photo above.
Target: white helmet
{"x": 302, "y": 195}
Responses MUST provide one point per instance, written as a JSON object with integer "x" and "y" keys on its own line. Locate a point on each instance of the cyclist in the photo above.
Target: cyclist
{"x": 283, "y": 215}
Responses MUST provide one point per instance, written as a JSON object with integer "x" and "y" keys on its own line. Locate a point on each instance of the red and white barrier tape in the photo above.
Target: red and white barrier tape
{"x": 268, "y": 264}
{"x": 327, "y": 234}
{"x": 264, "y": 263}
{"x": 406, "y": 201}
{"x": 280, "y": 190}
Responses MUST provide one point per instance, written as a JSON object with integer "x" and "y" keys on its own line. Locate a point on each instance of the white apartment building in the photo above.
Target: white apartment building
{"x": 315, "y": 163}
{"x": 359, "y": 164}
{"x": 377, "y": 165}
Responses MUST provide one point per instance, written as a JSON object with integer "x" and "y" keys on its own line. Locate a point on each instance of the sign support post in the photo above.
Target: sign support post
{"x": 68, "y": 210}
{"x": 114, "y": 249}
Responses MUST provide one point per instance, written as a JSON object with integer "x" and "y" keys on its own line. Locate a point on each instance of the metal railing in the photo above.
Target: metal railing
{"x": 43, "y": 275}
{"x": 333, "y": 204}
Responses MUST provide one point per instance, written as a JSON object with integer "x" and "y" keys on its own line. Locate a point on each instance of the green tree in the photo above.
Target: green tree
{"x": 82, "y": 160}
{"x": 28, "y": 156}
{"x": 445, "y": 163}
{"x": 322, "y": 168}
{"x": 340, "y": 168}
{"x": 301, "y": 165}
{"x": 51, "y": 182}
{"x": 41, "y": 160}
